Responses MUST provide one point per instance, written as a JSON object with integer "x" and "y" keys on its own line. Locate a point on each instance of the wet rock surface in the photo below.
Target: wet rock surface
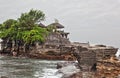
{"x": 64, "y": 64}
{"x": 52, "y": 56}
{"x": 3, "y": 77}
{"x": 67, "y": 69}
{"x": 108, "y": 68}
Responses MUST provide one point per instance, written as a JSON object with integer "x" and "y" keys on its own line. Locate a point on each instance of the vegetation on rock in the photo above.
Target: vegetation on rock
{"x": 23, "y": 31}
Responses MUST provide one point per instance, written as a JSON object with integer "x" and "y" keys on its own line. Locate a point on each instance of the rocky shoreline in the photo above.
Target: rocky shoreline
{"x": 52, "y": 56}
{"x": 108, "y": 68}
{"x": 105, "y": 68}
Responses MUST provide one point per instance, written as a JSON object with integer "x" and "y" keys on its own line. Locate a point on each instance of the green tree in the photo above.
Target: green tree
{"x": 6, "y": 28}
{"x": 28, "y": 20}
{"x": 25, "y": 29}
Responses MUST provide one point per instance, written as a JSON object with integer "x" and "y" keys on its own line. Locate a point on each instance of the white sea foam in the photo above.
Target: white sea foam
{"x": 118, "y": 53}
{"x": 51, "y": 73}
{"x": 48, "y": 73}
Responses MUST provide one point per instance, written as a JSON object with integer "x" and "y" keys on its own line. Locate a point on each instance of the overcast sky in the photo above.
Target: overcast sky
{"x": 96, "y": 21}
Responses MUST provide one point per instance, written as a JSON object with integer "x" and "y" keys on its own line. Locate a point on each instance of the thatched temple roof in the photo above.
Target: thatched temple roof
{"x": 42, "y": 25}
{"x": 57, "y": 25}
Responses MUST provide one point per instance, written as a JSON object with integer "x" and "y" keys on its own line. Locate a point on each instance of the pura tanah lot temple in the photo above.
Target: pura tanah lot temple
{"x": 57, "y": 46}
{"x": 57, "y": 38}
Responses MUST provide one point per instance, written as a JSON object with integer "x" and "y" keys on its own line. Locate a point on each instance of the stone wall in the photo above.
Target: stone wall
{"x": 56, "y": 39}
{"x": 105, "y": 53}
{"x": 88, "y": 58}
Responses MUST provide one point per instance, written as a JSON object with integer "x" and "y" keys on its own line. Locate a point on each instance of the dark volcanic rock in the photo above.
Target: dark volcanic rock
{"x": 3, "y": 77}
{"x": 52, "y": 57}
{"x": 109, "y": 68}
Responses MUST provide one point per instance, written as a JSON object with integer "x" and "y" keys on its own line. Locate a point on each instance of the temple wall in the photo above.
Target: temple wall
{"x": 56, "y": 39}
